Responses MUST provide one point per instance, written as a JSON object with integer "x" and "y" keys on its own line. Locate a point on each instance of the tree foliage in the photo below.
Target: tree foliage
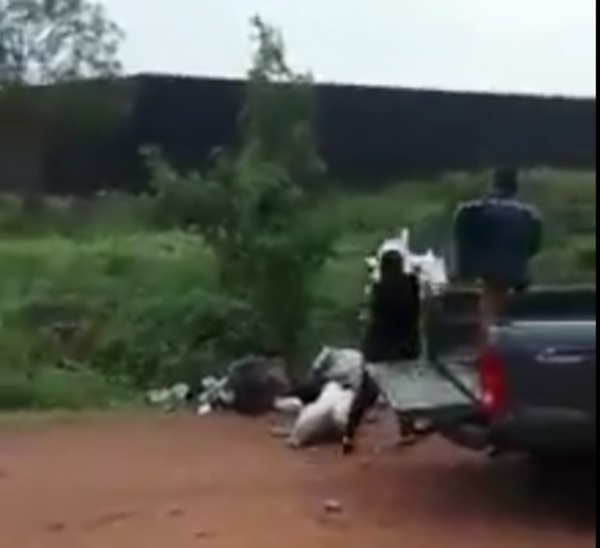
{"x": 53, "y": 41}
{"x": 254, "y": 206}
{"x": 57, "y": 44}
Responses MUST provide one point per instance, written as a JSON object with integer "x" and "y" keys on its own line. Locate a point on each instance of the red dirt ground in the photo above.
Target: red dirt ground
{"x": 225, "y": 482}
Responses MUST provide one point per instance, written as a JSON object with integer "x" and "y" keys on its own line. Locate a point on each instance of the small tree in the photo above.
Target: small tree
{"x": 50, "y": 43}
{"x": 53, "y": 41}
{"x": 253, "y": 208}
{"x": 55, "y": 44}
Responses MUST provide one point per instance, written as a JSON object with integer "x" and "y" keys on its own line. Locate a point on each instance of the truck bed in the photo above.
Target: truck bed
{"x": 450, "y": 335}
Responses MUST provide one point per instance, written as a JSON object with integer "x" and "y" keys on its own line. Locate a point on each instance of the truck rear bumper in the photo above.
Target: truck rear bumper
{"x": 528, "y": 430}
{"x": 545, "y": 430}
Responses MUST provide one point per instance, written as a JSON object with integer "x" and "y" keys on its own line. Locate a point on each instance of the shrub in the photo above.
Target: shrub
{"x": 253, "y": 208}
{"x": 59, "y": 389}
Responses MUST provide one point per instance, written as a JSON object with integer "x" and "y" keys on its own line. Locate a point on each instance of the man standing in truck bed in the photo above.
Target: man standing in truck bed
{"x": 496, "y": 238}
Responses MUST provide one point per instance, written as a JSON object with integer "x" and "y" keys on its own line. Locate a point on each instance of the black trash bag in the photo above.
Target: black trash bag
{"x": 255, "y": 384}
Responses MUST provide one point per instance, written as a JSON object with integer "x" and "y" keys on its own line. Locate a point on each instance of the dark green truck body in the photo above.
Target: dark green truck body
{"x": 547, "y": 341}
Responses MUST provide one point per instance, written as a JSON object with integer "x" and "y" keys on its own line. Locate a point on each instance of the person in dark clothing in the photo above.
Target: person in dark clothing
{"x": 496, "y": 238}
{"x": 393, "y": 336}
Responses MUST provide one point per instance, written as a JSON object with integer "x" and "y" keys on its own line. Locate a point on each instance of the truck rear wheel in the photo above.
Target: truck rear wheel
{"x": 548, "y": 462}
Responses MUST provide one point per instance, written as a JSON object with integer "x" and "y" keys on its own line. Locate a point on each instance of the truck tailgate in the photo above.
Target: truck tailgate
{"x": 450, "y": 335}
{"x": 425, "y": 390}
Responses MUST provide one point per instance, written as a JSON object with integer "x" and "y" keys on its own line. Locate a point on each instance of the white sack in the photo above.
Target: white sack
{"x": 323, "y": 420}
{"x": 340, "y": 365}
{"x": 341, "y": 409}
{"x": 288, "y": 406}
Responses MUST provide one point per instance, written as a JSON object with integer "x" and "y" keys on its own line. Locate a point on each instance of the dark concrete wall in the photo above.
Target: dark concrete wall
{"x": 364, "y": 133}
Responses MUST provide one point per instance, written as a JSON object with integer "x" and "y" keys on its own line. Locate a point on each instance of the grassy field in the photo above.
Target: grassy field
{"x": 95, "y": 302}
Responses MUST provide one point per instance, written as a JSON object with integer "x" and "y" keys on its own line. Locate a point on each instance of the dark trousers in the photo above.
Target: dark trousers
{"x": 365, "y": 399}
{"x": 493, "y": 302}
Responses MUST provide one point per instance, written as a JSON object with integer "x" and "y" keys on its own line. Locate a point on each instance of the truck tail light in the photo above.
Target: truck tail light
{"x": 494, "y": 382}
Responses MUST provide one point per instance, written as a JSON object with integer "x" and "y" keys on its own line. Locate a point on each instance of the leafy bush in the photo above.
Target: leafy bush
{"x": 55, "y": 388}
{"x": 253, "y": 208}
{"x": 170, "y": 338}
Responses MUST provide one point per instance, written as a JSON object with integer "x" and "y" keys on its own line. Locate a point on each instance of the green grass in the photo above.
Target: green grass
{"x": 51, "y": 388}
{"x": 94, "y": 301}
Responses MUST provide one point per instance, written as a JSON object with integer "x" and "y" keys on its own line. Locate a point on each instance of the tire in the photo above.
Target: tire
{"x": 556, "y": 462}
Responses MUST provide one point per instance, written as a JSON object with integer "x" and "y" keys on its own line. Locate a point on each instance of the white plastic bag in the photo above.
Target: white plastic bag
{"x": 288, "y": 406}
{"x": 340, "y": 365}
{"x": 169, "y": 398}
{"x": 323, "y": 420}
{"x": 341, "y": 409}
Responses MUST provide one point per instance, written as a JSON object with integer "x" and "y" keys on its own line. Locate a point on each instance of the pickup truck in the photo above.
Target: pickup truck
{"x": 531, "y": 391}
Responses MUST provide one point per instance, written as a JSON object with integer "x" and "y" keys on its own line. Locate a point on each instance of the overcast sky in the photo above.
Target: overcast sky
{"x": 541, "y": 46}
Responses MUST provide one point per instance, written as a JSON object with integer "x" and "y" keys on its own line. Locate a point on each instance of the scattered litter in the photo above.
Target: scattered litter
{"x": 280, "y": 432}
{"x": 333, "y": 507}
{"x": 289, "y": 406}
{"x": 214, "y": 395}
{"x": 254, "y": 386}
{"x": 169, "y": 398}
{"x": 251, "y": 386}
{"x": 205, "y": 409}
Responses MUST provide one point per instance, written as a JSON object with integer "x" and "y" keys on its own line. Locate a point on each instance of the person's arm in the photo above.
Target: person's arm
{"x": 465, "y": 220}
{"x": 467, "y": 237}
{"x": 413, "y": 297}
{"x": 458, "y": 225}
{"x": 377, "y": 302}
{"x": 369, "y": 311}
{"x": 537, "y": 233}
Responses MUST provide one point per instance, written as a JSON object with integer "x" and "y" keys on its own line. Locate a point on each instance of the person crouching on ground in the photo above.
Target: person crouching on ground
{"x": 496, "y": 239}
{"x": 392, "y": 339}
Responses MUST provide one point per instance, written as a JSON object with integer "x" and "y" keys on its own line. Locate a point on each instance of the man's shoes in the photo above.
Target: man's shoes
{"x": 407, "y": 441}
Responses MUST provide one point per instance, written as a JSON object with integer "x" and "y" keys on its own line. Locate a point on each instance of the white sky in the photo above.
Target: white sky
{"x": 540, "y": 46}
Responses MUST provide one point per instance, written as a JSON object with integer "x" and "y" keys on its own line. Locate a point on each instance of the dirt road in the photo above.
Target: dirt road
{"x": 226, "y": 483}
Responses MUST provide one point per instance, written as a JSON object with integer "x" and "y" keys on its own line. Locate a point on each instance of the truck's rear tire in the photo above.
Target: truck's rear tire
{"x": 548, "y": 462}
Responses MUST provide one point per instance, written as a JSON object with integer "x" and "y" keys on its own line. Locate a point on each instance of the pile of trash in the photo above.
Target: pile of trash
{"x": 256, "y": 385}
{"x": 320, "y": 405}
{"x": 250, "y": 386}
{"x": 169, "y": 398}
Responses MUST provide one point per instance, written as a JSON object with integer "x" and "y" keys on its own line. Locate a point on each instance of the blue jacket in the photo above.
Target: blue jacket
{"x": 495, "y": 239}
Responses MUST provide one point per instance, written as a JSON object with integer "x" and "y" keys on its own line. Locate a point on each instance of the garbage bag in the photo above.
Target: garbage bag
{"x": 254, "y": 384}
{"x": 323, "y": 420}
{"x": 340, "y": 365}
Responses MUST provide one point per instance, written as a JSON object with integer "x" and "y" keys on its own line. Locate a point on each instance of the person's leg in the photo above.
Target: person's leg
{"x": 407, "y": 425}
{"x": 413, "y": 425}
{"x": 493, "y": 301}
{"x": 365, "y": 398}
